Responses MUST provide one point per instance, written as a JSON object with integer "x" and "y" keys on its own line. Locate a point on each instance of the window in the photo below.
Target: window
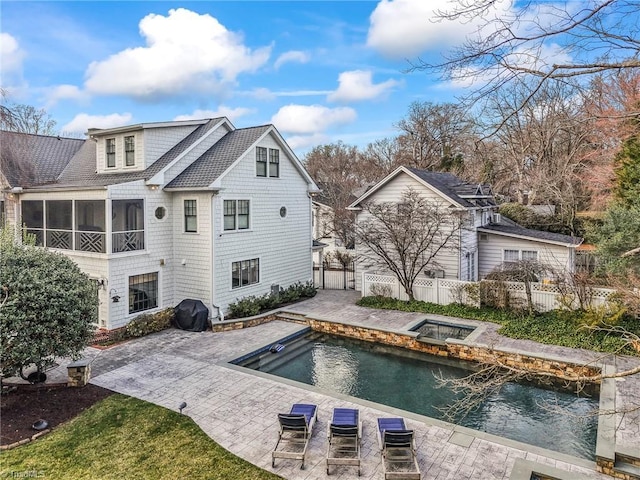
{"x": 261, "y": 161}
{"x": 143, "y": 292}
{"x": 511, "y": 255}
{"x": 111, "y": 152}
{"x": 190, "y": 216}
{"x": 274, "y": 162}
{"x": 246, "y": 272}
{"x": 516, "y": 255}
{"x": 129, "y": 151}
{"x": 236, "y": 215}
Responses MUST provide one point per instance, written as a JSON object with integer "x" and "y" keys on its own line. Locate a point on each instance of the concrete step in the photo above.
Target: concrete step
{"x": 630, "y": 470}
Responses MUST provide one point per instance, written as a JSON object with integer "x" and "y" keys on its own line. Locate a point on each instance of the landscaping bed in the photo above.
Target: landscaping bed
{"x": 22, "y": 407}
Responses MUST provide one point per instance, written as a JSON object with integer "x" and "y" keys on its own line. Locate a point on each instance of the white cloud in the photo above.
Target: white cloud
{"x": 185, "y": 52}
{"x": 302, "y": 142}
{"x": 65, "y": 92}
{"x": 83, "y": 121}
{"x": 407, "y": 28}
{"x": 11, "y": 57}
{"x": 291, "y": 56}
{"x": 357, "y": 85}
{"x": 222, "y": 111}
{"x": 311, "y": 119}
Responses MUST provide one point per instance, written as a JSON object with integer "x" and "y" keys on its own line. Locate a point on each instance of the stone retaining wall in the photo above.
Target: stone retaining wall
{"x": 456, "y": 350}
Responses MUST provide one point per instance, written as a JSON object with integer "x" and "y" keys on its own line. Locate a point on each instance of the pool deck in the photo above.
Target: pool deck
{"x": 239, "y": 410}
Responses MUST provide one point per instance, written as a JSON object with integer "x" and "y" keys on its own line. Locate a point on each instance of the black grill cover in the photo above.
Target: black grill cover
{"x": 191, "y": 315}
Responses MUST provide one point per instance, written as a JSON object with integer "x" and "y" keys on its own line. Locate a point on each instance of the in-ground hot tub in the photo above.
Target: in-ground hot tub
{"x": 442, "y": 330}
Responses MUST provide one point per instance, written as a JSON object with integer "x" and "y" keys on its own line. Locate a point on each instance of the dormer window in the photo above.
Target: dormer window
{"x": 129, "y": 151}
{"x": 111, "y": 152}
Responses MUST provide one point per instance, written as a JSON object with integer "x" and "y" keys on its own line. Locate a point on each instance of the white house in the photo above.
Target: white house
{"x": 160, "y": 212}
{"x": 484, "y": 239}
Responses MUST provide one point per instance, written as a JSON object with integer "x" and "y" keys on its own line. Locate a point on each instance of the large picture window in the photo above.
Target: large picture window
{"x": 143, "y": 292}
{"x": 190, "y": 216}
{"x": 245, "y": 272}
{"x": 236, "y": 215}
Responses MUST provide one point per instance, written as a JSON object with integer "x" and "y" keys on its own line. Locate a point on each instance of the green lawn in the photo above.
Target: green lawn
{"x": 125, "y": 438}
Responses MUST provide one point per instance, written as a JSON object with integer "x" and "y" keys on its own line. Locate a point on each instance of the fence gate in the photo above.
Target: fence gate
{"x": 334, "y": 276}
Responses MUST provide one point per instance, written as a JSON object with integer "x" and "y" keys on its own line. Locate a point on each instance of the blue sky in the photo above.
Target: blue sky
{"x": 321, "y": 72}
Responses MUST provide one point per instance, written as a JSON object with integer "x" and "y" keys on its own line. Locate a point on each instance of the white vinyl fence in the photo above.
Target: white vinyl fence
{"x": 443, "y": 291}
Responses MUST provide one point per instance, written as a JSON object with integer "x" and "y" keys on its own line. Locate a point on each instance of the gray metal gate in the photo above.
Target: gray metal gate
{"x": 334, "y": 276}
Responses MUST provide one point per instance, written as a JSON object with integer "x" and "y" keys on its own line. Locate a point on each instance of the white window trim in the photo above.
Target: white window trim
{"x": 124, "y": 152}
{"x": 184, "y": 218}
{"x": 134, "y": 273}
{"x": 259, "y": 282}
{"x": 519, "y": 250}
{"x": 236, "y": 230}
{"x": 115, "y": 153}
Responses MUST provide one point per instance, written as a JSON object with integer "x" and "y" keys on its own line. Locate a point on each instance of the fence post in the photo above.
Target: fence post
{"x": 344, "y": 276}
{"x": 437, "y": 284}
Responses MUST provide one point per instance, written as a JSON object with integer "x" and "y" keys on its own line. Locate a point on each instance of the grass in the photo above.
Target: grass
{"x": 557, "y": 327}
{"x": 125, "y": 438}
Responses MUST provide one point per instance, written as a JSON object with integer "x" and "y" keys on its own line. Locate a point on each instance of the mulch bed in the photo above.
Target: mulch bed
{"x": 20, "y": 408}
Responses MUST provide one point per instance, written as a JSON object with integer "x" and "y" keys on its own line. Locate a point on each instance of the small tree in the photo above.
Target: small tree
{"x": 524, "y": 271}
{"x": 47, "y": 306}
{"x": 407, "y": 237}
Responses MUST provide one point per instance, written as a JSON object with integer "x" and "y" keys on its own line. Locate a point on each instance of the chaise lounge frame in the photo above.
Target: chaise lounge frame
{"x": 344, "y": 433}
{"x": 296, "y": 428}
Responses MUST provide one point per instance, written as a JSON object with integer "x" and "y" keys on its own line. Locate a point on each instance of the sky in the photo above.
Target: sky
{"x": 320, "y": 71}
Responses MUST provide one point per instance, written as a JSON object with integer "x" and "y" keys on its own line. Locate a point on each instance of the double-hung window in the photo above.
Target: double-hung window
{"x": 236, "y": 215}
{"x": 110, "y": 148}
{"x": 129, "y": 151}
{"x": 274, "y": 162}
{"x": 530, "y": 255}
{"x": 190, "y": 216}
{"x": 245, "y": 272}
{"x": 511, "y": 256}
{"x": 261, "y": 161}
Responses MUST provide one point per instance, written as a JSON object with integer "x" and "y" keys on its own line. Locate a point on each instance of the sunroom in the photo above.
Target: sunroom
{"x": 83, "y": 225}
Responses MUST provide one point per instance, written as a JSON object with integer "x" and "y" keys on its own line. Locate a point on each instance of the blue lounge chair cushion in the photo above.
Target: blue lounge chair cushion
{"x": 345, "y": 417}
{"x": 309, "y": 411}
{"x": 391, "y": 424}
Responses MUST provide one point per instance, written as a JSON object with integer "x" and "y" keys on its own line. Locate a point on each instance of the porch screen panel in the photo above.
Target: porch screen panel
{"x": 33, "y": 219}
{"x": 59, "y": 224}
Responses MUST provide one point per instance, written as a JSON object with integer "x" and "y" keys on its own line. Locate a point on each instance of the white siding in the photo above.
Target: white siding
{"x": 392, "y": 192}
{"x": 491, "y": 252}
{"x": 283, "y": 245}
{"x": 156, "y": 257}
{"x": 160, "y": 140}
{"x": 192, "y": 252}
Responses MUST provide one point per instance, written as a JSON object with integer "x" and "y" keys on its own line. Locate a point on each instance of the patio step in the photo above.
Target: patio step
{"x": 628, "y": 471}
{"x": 296, "y": 317}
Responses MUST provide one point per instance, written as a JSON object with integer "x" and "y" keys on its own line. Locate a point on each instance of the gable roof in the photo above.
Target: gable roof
{"x": 516, "y": 231}
{"x": 446, "y": 184}
{"x": 81, "y": 171}
{"x": 28, "y": 160}
{"x": 215, "y": 161}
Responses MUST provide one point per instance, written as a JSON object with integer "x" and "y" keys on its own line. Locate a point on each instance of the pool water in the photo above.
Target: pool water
{"x": 442, "y": 331}
{"x": 404, "y": 379}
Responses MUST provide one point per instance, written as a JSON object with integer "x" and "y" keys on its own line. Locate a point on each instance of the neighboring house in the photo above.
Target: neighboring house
{"x": 160, "y": 212}
{"x": 485, "y": 241}
{"x": 323, "y": 228}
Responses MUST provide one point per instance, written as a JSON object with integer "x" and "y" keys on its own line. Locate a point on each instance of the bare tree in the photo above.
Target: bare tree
{"x": 509, "y": 46}
{"x": 408, "y": 236}
{"x": 435, "y": 136}
{"x": 26, "y": 119}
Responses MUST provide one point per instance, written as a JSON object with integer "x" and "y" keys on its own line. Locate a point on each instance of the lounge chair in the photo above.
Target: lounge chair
{"x": 296, "y": 428}
{"x": 398, "y": 449}
{"x": 344, "y": 432}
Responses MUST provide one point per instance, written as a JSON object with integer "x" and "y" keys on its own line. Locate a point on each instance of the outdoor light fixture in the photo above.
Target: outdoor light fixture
{"x": 113, "y": 293}
{"x": 182, "y": 406}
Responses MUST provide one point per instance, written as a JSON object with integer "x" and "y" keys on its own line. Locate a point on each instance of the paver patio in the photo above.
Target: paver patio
{"x": 239, "y": 409}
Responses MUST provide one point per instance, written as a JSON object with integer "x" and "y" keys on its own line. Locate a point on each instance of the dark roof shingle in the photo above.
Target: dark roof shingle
{"x": 517, "y": 230}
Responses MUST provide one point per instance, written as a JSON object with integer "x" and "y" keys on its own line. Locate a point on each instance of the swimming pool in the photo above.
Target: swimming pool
{"x": 405, "y": 379}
